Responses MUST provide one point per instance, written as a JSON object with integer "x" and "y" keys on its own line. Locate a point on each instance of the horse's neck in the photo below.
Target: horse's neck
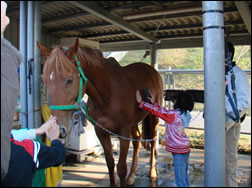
{"x": 97, "y": 85}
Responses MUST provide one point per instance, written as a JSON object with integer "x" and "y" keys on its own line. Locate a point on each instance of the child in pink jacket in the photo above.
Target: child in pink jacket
{"x": 177, "y": 142}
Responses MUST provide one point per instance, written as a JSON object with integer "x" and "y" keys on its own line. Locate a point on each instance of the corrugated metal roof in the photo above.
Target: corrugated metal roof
{"x": 160, "y": 19}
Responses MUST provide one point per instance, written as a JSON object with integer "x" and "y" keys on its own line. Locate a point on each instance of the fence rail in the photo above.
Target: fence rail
{"x": 169, "y": 80}
{"x": 169, "y": 75}
{"x": 190, "y": 71}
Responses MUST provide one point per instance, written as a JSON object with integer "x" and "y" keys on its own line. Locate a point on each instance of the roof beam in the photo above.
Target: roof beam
{"x": 151, "y": 29}
{"x": 245, "y": 13}
{"x": 85, "y": 26}
{"x": 163, "y": 12}
{"x": 63, "y": 17}
{"x": 92, "y": 8}
{"x": 80, "y": 27}
{"x": 184, "y": 42}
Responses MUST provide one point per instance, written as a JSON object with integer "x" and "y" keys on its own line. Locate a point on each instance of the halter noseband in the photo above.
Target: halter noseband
{"x": 77, "y": 105}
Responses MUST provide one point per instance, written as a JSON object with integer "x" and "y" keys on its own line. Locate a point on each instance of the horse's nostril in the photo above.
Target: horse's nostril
{"x": 63, "y": 132}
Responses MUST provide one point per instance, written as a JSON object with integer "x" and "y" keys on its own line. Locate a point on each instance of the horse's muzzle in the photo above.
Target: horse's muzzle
{"x": 63, "y": 132}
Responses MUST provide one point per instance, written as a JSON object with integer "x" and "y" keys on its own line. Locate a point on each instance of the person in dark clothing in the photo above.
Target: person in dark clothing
{"x": 10, "y": 60}
{"x": 243, "y": 95}
{"x": 28, "y": 155}
{"x": 21, "y": 157}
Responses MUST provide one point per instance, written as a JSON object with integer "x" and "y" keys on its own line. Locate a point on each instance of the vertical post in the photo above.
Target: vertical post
{"x": 153, "y": 59}
{"x": 23, "y": 50}
{"x": 169, "y": 85}
{"x": 173, "y": 80}
{"x": 30, "y": 64}
{"x": 37, "y": 67}
{"x": 213, "y": 42}
{"x": 166, "y": 82}
{"x": 153, "y": 55}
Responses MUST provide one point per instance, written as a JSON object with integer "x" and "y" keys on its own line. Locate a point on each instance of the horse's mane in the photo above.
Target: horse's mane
{"x": 58, "y": 62}
{"x": 90, "y": 56}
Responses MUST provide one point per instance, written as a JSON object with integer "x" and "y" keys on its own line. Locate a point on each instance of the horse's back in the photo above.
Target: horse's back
{"x": 143, "y": 75}
{"x": 140, "y": 75}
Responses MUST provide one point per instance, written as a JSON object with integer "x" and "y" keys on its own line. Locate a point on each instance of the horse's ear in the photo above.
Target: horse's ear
{"x": 70, "y": 53}
{"x": 43, "y": 50}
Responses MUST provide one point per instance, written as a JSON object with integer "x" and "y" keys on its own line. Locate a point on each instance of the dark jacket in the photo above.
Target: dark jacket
{"x": 29, "y": 155}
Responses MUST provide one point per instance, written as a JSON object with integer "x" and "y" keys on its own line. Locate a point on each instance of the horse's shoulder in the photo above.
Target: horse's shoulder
{"x": 112, "y": 61}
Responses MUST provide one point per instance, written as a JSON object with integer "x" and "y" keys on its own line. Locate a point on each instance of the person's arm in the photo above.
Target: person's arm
{"x": 50, "y": 156}
{"x": 155, "y": 109}
{"x": 47, "y": 125}
{"x": 53, "y": 155}
{"x": 243, "y": 91}
{"x": 158, "y": 111}
{"x": 22, "y": 134}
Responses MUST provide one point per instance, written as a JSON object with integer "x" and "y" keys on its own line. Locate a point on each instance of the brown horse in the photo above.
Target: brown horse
{"x": 112, "y": 100}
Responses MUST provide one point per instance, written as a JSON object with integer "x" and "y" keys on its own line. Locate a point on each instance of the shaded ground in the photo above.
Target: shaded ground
{"x": 93, "y": 171}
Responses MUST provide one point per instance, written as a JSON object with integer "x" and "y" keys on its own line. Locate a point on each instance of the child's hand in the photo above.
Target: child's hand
{"x": 47, "y": 125}
{"x": 53, "y": 133}
{"x": 138, "y": 96}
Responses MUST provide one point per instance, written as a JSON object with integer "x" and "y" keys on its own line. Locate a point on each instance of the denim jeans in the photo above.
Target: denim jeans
{"x": 181, "y": 169}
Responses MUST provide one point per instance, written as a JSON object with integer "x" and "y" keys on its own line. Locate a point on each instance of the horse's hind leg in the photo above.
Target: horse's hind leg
{"x": 136, "y": 145}
{"x": 122, "y": 163}
{"x": 153, "y": 128}
{"x": 107, "y": 146}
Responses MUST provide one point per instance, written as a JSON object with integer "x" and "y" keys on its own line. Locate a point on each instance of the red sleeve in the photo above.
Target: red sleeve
{"x": 158, "y": 111}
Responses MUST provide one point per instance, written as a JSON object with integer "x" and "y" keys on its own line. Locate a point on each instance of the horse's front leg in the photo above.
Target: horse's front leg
{"x": 122, "y": 163}
{"x": 107, "y": 147}
{"x": 136, "y": 145}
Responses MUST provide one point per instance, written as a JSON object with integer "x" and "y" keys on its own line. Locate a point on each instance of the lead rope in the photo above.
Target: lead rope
{"x": 85, "y": 112}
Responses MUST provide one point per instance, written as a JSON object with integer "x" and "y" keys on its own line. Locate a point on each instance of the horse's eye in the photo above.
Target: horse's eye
{"x": 68, "y": 82}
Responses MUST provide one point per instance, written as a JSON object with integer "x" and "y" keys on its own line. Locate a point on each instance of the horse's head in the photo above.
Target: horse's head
{"x": 61, "y": 77}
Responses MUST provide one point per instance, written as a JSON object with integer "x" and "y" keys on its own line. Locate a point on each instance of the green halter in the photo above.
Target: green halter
{"x": 76, "y": 106}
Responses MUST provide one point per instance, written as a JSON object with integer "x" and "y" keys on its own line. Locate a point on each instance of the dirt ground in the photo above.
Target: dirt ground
{"x": 92, "y": 172}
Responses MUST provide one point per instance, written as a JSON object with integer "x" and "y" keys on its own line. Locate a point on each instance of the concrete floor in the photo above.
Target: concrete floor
{"x": 93, "y": 171}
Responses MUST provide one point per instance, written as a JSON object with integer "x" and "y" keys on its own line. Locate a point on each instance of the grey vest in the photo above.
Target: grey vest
{"x": 10, "y": 60}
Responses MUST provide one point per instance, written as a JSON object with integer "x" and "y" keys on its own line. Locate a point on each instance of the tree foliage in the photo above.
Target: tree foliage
{"x": 187, "y": 58}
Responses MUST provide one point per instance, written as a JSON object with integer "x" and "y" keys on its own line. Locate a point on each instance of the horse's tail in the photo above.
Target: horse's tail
{"x": 146, "y": 132}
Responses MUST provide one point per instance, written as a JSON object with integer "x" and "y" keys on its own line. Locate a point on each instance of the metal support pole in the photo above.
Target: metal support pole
{"x": 173, "y": 80}
{"x": 37, "y": 67}
{"x": 23, "y": 50}
{"x": 30, "y": 64}
{"x": 153, "y": 56}
{"x": 213, "y": 42}
{"x": 165, "y": 87}
{"x": 153, "y": 59}
{"x": 169, "y": 86}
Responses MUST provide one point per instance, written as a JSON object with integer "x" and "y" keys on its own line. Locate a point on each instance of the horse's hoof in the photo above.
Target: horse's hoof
{"x": 113, "y": 185}
{"x": 153, "y": 174}
{"x": 130, "y": 181}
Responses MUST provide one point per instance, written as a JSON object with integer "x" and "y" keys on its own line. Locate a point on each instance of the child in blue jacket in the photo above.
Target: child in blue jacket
{"x": 28, "y": 155}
